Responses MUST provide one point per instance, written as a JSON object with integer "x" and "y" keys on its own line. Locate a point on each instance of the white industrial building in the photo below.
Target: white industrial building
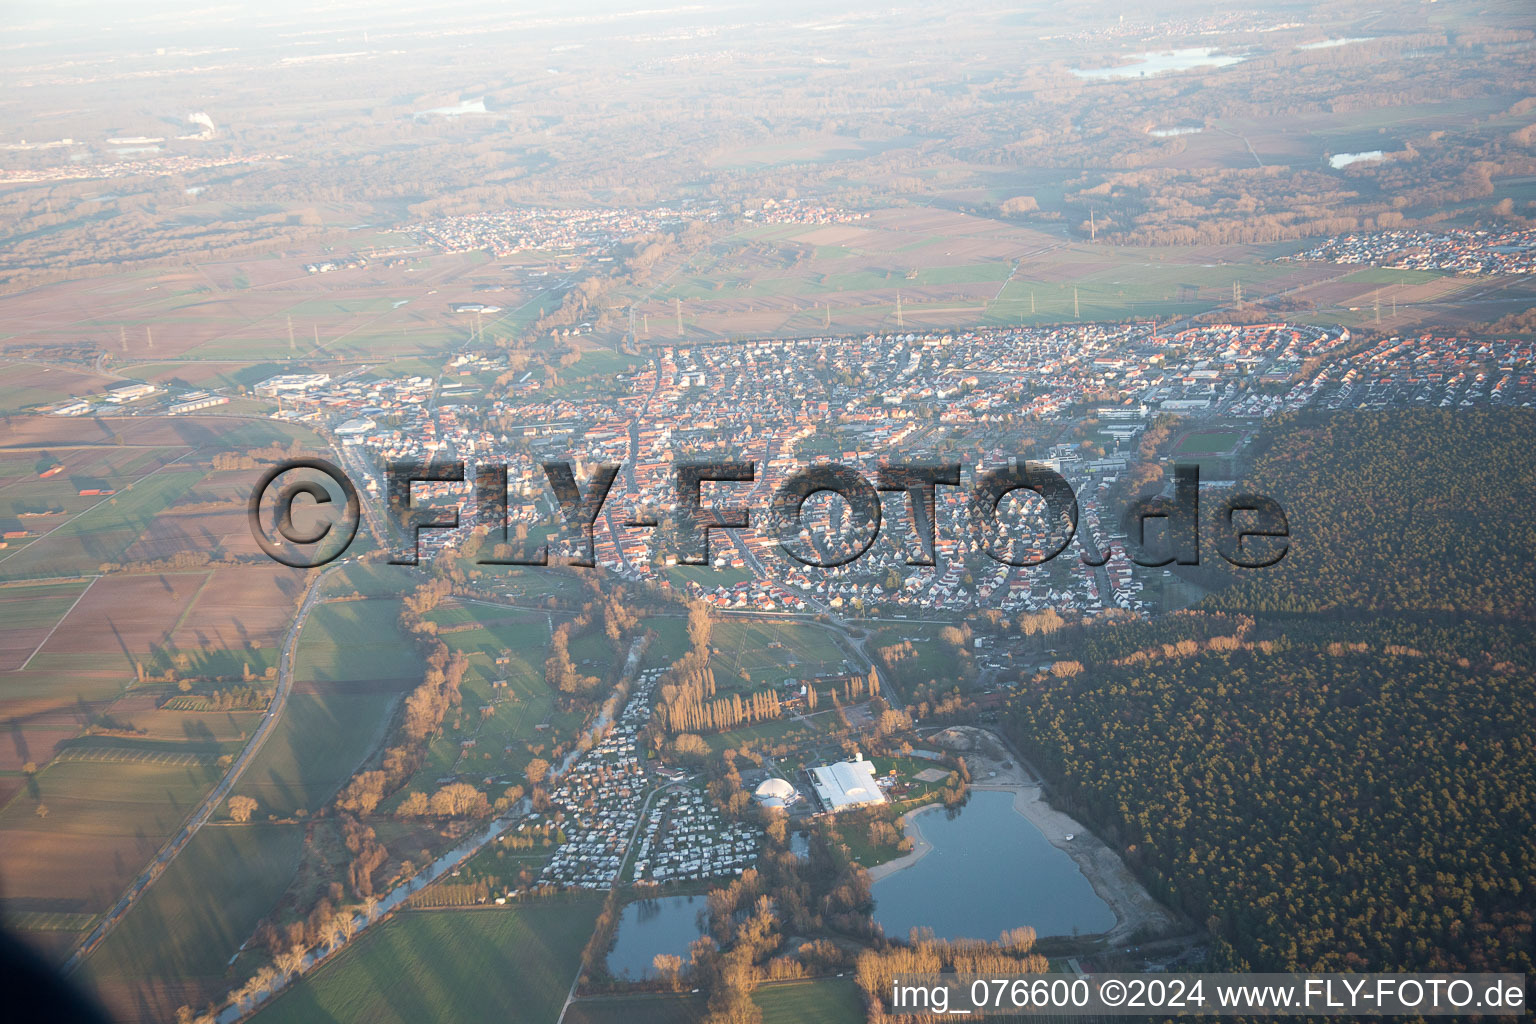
{"x": 124, "y": 393}
{"x": 194, "y": 401}
{"x": 288, "y": 382}
{"x": 775, "y": 793}
{"x": 845, "y": 784}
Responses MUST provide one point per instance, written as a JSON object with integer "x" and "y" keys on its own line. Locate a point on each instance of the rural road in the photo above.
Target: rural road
{"x": 446, "y": 862}
{"x": 210, "y": 803}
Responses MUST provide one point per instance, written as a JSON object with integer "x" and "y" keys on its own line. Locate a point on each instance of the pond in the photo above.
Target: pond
{"x": 648, "y": 927}
{"x": 1163, "y": 62}
{"x": 1327, "y": 44}
{"x": 990, "y": 869}
{"x": 460, "y": 108}
{"x": 1341, "y": 160}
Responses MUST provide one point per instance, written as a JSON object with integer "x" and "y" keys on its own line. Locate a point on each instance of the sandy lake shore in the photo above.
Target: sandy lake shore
{"x": 986, "y": 756}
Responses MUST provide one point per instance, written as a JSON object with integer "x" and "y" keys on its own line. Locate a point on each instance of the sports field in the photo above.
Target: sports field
{"x": 1208, "y": 442}
{"x": 767, "y": 654}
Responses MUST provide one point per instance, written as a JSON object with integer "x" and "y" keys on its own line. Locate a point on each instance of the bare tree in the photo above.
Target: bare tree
{"x": 330, "y": 933}
{"x": 290, "y": 960}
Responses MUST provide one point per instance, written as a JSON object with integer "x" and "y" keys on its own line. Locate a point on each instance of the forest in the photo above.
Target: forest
{"x": 1341, "y": 777}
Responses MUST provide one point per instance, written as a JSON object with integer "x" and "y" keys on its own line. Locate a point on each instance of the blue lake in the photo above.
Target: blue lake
{"x": 648, "y": 927}
{"x": 990, "y": 869}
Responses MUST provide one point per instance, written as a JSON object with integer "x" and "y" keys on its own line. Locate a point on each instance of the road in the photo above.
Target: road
{"x": 216, "y": 796}
{"x": 444, "y": 864}
{"x": 356, "y": 462}
{"x": 570, "y": 995}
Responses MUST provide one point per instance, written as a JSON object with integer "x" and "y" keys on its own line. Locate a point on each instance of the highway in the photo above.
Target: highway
{"x": 216, "y": 796}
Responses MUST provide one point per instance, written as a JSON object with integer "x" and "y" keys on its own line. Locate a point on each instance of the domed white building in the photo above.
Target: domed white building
{"x": 774, "y": 793}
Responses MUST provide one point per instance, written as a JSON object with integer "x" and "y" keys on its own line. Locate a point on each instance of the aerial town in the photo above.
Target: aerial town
{"x": 1457, "y": 250}
{"x": 1077, "y": 398}
{"x": 619, "y": 514}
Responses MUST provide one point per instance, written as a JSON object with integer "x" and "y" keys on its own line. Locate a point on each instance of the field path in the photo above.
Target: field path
{"x": 216, "y": 796}
{"x": 57, "y": 624}
{"x": 105, "y": 500}
{"x": 399, "y": 896}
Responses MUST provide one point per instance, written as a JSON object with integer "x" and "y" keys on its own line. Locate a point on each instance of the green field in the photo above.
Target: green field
{"x": 706, "y": 576}
{"x": 38, "y": 606}
{"x": 821, "y": 1001}
{"x": 932, "y": 660}
{"x": 198, "y": 913}
{"x": 510, "y": 965}
{"x": 1382, "y": 275}
{"x": 671, "y": 640}
{"x": 1208, "y": 442}
{"x": 773, "y": 730}
{"x": 102, "y": 532}
{"x": 515, "y": 710}
{"x": 771, "y": 653}
{"x": 638, "y": 1009}
{"x": 372, "y": 579}
{"x": 317, "y": 745}
{"x": 353, "y": 665}
{"x": 103, "y": 822}
{"x": 351, "y": 641}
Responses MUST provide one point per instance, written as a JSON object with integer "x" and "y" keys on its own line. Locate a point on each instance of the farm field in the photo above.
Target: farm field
{"x": 27, "y": 385}
{"x": 100, "y": 822}
{"x": 139, "y": 712}
{"x": 241, "y": 609}
{"x": 102, "y": 532}
{"x": 92, "y": 655}
{"x": 820, "y": 1001}
{"x": 952, "y": 270}
{"x": 241, "y": 310}
{"x": 317, "y": 745}
{"x": 81, "y": 669}
{"x": 142, "y": 467}
{"x": 172, "y": 948}
{"x": 29, "y": 613}
{"x": 513, "y": 964}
